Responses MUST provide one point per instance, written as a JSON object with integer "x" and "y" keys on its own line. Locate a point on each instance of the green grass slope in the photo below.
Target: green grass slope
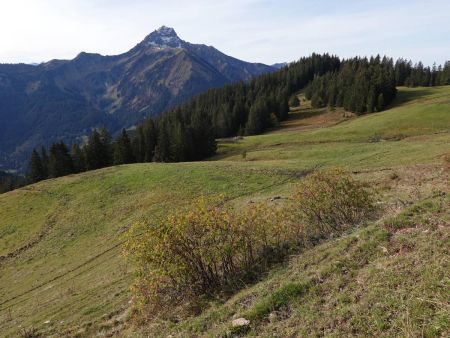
{"x": 415, "y": 130}
{"x": 61, "y": 258}
{"x": 62, "y": 271}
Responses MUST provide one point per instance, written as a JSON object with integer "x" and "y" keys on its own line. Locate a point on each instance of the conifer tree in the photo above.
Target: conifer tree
{"x": 162, "y": 149}
{"x": 79, "y": 158}
{"x": 294, "y": 101}
{"x": 150, "y": 137}
{"x": 106, "y": 139}
{"x": 35, "y": 171}
{"x": 44, "y": 159}
{"x": 96, "y": 151}
{"x": 380, "y": 102}
{"x": 60, "y": 162}
{"x": 258, "y": 117}
{"x": 122, "y": 151}
{"x": 202, "y": 136}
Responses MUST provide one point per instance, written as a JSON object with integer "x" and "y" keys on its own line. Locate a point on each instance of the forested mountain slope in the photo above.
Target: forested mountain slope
{"x": 65, "y": 99}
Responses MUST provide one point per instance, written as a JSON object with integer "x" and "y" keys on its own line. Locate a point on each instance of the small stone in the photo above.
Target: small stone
{"x": 239, "y": 322}
{"x": 273, "y": 317}
{"x": 47, "y": 322}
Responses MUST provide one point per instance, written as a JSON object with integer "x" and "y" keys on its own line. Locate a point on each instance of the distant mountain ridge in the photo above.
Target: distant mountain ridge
{"x": 65, "y": 99}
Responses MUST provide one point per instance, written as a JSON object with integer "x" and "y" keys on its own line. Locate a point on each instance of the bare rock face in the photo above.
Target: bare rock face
{"x": 64, "y": 99}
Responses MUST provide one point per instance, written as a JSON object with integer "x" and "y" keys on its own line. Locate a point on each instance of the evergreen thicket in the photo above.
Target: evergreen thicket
{"x": 360, "y": 85}
{"x": 189, "y": 132}
{"x": 364, "y": 85}
{"x": 413, "y": 76}
{"x": 10, "y": 182}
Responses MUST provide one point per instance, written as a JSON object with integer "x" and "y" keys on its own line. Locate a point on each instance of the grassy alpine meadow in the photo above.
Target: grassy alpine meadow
{"x": 63, "y": 273}
{"x": 73, "y": 272}
{"x": 415, "y": 130}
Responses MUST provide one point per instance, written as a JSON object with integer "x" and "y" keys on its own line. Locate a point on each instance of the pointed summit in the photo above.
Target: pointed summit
{"x": 167, "y": 31}
{"x": 164, "y": 37}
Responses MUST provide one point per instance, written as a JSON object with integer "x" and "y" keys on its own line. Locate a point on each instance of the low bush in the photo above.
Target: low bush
{"x": 206, "y": 248}
{"x": 330, "y": 201}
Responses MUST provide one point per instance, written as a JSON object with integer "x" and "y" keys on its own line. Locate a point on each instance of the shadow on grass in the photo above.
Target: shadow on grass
{"x": 408, "y": 96}
{"x": 299, "y": 115}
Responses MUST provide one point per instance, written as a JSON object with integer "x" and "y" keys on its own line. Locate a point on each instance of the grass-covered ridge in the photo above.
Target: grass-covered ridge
{"x": 63, "y": 236}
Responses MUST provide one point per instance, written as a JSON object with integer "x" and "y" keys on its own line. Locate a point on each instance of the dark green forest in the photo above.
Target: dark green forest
{"x": 364, "y": 86}
{"x": 10, "y": 181}
{"x": 189, "y": 132}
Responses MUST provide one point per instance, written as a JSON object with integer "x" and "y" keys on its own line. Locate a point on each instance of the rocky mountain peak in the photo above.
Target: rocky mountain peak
{"x": 166, "y": 31}
{"x": 164, "y": 37}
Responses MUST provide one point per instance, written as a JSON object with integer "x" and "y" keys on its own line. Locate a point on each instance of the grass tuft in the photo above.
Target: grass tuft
{"x": 279, "y": 299}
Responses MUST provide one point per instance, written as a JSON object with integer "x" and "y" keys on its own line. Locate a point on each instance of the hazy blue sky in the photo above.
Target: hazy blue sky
{"x": 253, "y": 30}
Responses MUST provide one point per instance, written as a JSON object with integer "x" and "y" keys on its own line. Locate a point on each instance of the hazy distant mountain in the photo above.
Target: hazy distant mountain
{"x": 64, "y": 99}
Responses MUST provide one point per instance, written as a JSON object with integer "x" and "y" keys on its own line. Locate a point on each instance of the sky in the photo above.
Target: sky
{"x": 34, "y": 31}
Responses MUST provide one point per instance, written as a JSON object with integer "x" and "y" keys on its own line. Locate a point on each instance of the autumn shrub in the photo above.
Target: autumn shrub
{"x": 330, "y": 201}
{"x": 206, "y": 248}
{"x": 210, "y": 248}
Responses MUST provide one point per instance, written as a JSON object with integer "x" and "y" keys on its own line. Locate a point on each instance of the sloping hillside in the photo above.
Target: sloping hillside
{"x": 62, "y": 272}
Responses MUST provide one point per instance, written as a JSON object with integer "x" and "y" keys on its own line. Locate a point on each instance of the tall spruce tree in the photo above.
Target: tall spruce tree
{"x": 97, "y": 150}
{"x": 122, "y": 151}
{"x": 106, "y": 139}
{"x": 162, "y": 149}
{"x": 60, "y": 162}
{"x": 150, "y": 137}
